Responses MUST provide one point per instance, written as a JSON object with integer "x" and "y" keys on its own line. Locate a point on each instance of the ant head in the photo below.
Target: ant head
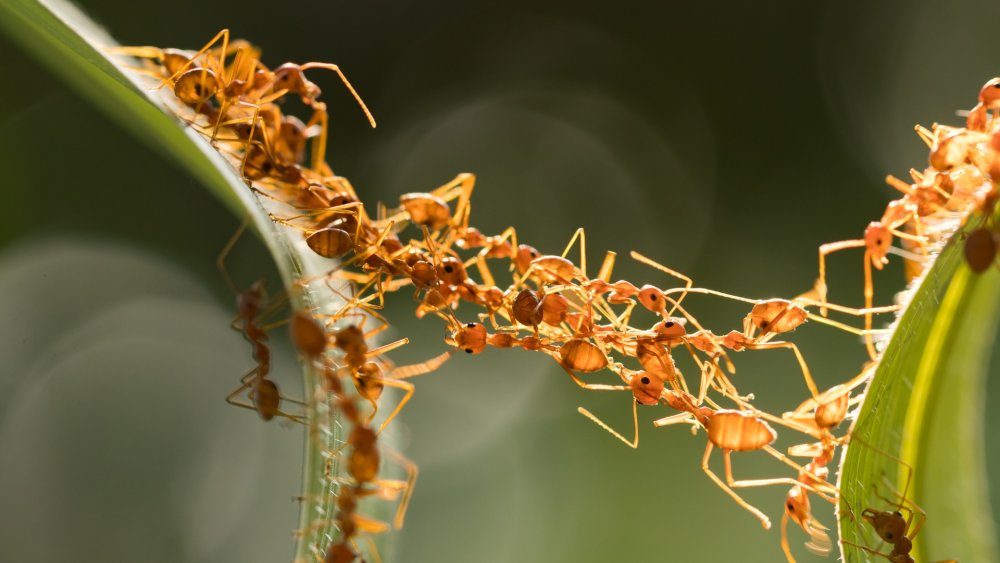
{"x": 651, "y": 297}
{"x": 525, "y": 254}
{"x": 258, "y": 164}
{"x": 341, "y": 198}
{"x": 671, "y": 327}
{"x": 174, "y": 60}
{"x": 451, "y": 271}
{"x": 989, "y": 96}
{"x": 890, "y": 526}
{"x": 196, "y": 86}
{"x": 646, "y": 388}
{"x": 878, "y": 240}
{"x": 423, "y": 274}
{"x": 470, "y": 337}
{"x": 289, "y": 77}
{"x": 797, "y": 505}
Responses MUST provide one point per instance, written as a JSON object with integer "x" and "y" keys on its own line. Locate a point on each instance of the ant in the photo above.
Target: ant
{"x": 771, "y": 317}
{"x": 265, "y": 398}
{"x": 817, "y": 417}
{"x": 264, "y": 395}
{"x": 979, "y": 118}
{"x": 898, "y": 526}
{"x": 733, "y": 431}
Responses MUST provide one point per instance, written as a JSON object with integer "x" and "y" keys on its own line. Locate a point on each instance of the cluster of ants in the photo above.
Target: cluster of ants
{"x": 550, "y": 304}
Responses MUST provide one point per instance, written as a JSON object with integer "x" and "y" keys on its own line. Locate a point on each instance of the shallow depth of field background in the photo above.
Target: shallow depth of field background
{"x": 726, "y": 142}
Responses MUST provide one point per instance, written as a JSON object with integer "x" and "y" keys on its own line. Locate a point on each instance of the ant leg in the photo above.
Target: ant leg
{"x": 413, "y": 370}
{"x": 412, "y": 471}
{"x": 810, "y": 382}
{"x": 220, "y": 261}
{"x": 137, "y": 52}
{"x": 319, "y": 146}
{"x": 824, "y": 250}
{"x": 747, "y": 483}
{"x": 828, "y": 493}
{"x": 484, "y": 271}
{"x": 635, "y": 423}
{"x": 408, "y": 390}
{"x": 764, "y": 520}
{"x": 604, "y": 274}
{"x": 866, "y": 548}
{"x": 580, "y": 235}
{"x": 245, "y": 384}
{"x": 682, "y": 418}
{"x": 336, "y": 69}
{"x": 869, "y": 297}
{"x": 372, "y": 550}
{"x": 592, "y": 386}
{"x": 385, "y": 348}
{"x": 784, "y": 538}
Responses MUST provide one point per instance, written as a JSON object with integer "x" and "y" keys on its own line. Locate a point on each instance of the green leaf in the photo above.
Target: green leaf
{"x": 63, "y": 38}
{"x": 925, "y": 405}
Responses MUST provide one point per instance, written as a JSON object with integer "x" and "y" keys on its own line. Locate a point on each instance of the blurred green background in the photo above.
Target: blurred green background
{"x": 727, "y": 142}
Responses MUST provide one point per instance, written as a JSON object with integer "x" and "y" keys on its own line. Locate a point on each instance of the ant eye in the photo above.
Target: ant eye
{"x": 645, "y": 380}
{"x": 468, "y": 350}
{"x": 653, "y": 297}
{"x": 470, "y": 325}
{"x": 888, "y": 535}
{"x": 669, "y": 324}
{"x": 791, "y": 507}
{"x": 449, "y": 269}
